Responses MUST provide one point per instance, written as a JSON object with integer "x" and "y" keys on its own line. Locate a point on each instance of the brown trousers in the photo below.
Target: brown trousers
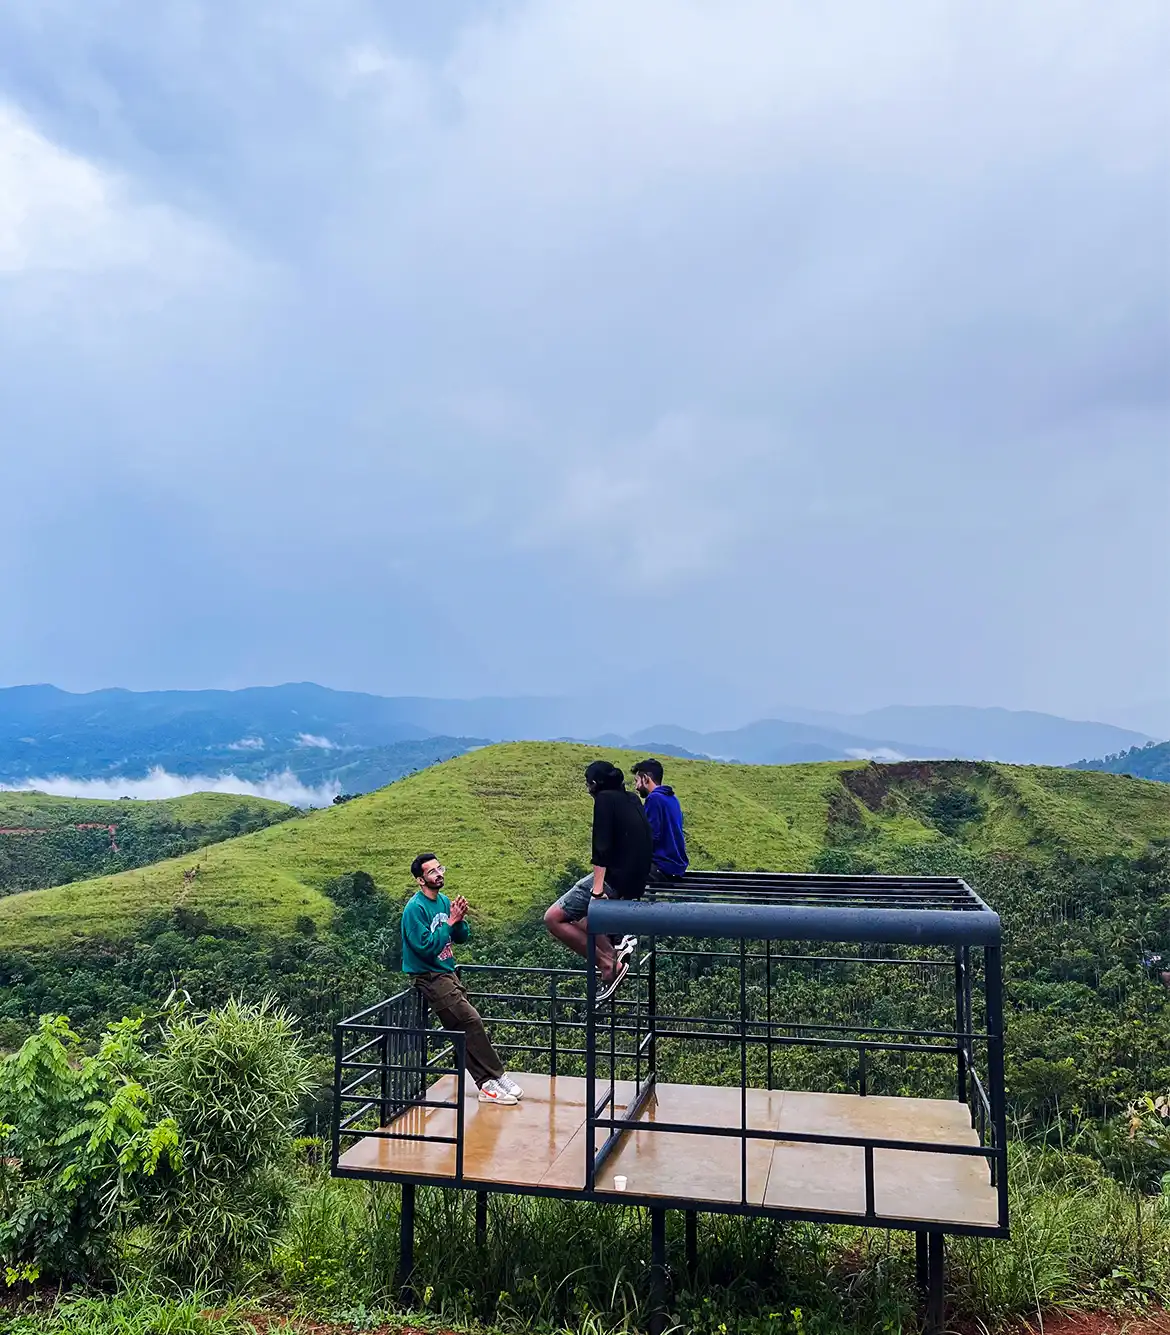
{"x": 448, "y": 998}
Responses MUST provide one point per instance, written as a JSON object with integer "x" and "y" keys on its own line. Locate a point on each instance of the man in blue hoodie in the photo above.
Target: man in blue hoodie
{"x": 666, "y": 821}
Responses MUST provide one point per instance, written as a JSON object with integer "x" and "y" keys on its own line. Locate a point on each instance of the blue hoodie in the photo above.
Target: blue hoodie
{"x": 666, "y": 826}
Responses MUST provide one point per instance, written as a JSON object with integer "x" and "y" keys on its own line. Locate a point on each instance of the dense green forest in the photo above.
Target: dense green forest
{"x": 47, "y": 841}
{"x": 1151, "y": 761}
{"x": 1077, "y": 864}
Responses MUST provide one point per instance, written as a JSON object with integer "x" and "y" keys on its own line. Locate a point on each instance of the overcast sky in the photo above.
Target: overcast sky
{"x": 795, "y": 354}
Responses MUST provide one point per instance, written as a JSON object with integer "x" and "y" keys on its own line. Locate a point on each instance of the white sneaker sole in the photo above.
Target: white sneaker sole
{"x": 615, "y": 982}
{"x": 503, "y": 1100}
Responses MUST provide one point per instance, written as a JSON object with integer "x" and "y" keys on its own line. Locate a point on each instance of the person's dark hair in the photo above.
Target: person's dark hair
{"x": 652, "y": 769}
{"x": 601, "y": 774}
{"x": 417, "y": 865}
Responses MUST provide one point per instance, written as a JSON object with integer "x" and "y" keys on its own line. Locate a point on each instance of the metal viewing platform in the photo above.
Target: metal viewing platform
{"x": 892, "y": 1118}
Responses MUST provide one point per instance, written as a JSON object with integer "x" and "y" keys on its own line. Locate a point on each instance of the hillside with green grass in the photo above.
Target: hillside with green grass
{"x": 48, "y": 841}
{"x": 511, "y": 821}
{"x": 1151, "y": 761}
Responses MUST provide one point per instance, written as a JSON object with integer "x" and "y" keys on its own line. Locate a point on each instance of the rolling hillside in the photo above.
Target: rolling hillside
{"x": 46, "y": 841}
{"x": 1151, "y": 761}
{"x": 510, "y": 820}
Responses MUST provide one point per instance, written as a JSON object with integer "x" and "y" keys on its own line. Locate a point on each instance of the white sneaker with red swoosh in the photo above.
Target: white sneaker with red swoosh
{"x": 491, "y": 1091}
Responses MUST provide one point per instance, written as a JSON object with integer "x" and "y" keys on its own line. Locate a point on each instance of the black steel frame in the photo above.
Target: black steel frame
{"x": 387, "y": 1056}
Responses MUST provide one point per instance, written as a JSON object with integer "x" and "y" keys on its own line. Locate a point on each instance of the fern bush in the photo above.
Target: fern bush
{"x": 79, "y": 1137}
{"x": 184, "y": 1146}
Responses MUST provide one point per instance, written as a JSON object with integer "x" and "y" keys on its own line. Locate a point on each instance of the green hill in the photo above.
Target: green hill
{"x": 48, "y": 841}
{"x": 1151, "y": 761}
{"x": 512, "y": 820}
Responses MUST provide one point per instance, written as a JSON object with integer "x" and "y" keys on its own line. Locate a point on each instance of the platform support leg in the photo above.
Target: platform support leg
{"x": 692, "y": 1242}
{"x": 481, "y": 1219}
{"x": 657, "y": 1271}
{"x": 934, "y": 1285}
{"x": 920, "y": 1262}
{"x": 406, "y": 1245}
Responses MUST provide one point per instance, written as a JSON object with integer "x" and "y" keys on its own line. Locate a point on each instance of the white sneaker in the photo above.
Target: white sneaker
{"x": 626, "y": 948}
{"x": 509, "y": 1086}
{"x": 493, "y": 1091}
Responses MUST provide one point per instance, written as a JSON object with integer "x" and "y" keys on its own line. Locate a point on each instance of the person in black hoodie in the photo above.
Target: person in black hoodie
{"x": 622, "y": 850}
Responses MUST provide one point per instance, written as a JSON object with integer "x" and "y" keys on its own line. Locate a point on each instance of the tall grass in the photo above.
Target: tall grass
{"x": 561, "y": 1267}
{"x": 1079, "y": 1239}
{"x": 550, "y": 1265}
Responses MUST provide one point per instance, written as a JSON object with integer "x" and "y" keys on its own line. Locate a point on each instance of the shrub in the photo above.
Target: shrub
{"x": 78, "y": 1137}
{"x": 233, "y": 1082}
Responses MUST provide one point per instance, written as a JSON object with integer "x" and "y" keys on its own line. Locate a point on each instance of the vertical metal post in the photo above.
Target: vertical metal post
{"x": 613, "y": 1018}
{"x": 406, "y": 1245}
{"x": 552, "y": 1027}
{"x": 652, "y": 1009}
{"x": 638, "y": 1031}
{"x": 481, "y": 1219}
{"x": 960, "y": 1028}
{"x": 657, "y": 1271}
{"x": 743, "y": 1074}
{"x": 384, "y": 1093}
{"x": 768, "y": 1002}
{"x": 460, "y": 1047}
{"x": 869, "y": 1205}
{"x": 862, "y": 1079}
{"x": 969, "y": 1025}
{"x": 993, "y": 981}
{"x": 590, "y": 1060}
{"x": 920, "y": 1262}
{"x": 335, "y": 1129}
{"x": 934, "y": 1285}
{"x": 692, "y": 1219}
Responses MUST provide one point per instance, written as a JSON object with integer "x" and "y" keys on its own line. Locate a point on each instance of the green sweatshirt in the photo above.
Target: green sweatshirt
{"x": 427, "y": 935}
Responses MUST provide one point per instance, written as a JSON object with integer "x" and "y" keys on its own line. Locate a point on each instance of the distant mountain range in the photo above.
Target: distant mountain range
{"x": 333, "y": 740}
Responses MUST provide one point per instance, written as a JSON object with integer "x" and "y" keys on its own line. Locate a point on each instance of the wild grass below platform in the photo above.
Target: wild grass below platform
{"x": 553, "y": 1266}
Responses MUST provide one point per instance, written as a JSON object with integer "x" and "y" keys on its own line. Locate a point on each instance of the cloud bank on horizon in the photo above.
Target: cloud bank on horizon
{"x": 466, "y": 350}
{"x": 160, "y": 783}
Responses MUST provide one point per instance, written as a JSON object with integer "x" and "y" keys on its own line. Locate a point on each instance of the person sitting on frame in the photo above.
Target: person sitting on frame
{"x": 621, "y": 853}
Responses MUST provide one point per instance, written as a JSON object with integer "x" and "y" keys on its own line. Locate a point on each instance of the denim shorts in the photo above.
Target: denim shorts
{"x": 574, "y": 903}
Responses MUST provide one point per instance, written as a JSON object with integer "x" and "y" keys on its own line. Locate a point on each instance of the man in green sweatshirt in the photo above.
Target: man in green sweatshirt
{"x": 431, "y": 923}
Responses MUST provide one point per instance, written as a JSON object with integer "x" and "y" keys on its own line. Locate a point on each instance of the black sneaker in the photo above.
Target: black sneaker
{"x": 614, "y": 983}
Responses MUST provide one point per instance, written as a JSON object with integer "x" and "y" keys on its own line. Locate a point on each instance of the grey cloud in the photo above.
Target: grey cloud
{"x": 864, "y": 317}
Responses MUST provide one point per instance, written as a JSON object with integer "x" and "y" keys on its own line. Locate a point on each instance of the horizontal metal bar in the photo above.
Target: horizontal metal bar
{"x": 360, "y": 1112}
{"x": 754, "y": 921}
{"x": 413, "y": 1103}
{"x": 365, "y": 1047}
{"x": 403, "y": 1135}
{"x": 785, "y": 1041}
{"x": 804, "y": 1137}
{"x": 522, "y": 968}
{"x": 377, "y": 1006}
{"x": 802, "y": 959}
{"x": 368, "y": 1075}
{"x": 750, "y": 1211}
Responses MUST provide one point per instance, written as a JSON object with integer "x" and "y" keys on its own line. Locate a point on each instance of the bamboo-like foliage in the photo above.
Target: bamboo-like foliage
{"x": 233, "y": 1081}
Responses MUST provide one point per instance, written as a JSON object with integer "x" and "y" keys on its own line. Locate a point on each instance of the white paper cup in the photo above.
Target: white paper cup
{"x": 619, "y": 1183}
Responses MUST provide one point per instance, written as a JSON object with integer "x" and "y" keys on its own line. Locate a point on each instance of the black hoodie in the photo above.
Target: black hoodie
{"x": 621, "y": 841}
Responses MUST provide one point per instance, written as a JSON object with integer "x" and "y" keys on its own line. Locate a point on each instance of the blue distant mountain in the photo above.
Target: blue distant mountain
{"x": 359, "y": 740}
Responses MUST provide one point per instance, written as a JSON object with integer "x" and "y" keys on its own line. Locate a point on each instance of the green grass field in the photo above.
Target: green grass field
{"x": 509, "y": 820}
{"x": 37, "y": 810}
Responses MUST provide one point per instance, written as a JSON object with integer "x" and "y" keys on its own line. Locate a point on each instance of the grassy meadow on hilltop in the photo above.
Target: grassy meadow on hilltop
{"x": 511, "y": 820}
{"x": 47, "y": 841}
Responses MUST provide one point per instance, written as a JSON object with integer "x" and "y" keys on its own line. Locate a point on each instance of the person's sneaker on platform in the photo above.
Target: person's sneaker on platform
{"x": 510, "y": 1086}
{"x": 625, "y": 949}
{"x": 493, "y": 1091}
